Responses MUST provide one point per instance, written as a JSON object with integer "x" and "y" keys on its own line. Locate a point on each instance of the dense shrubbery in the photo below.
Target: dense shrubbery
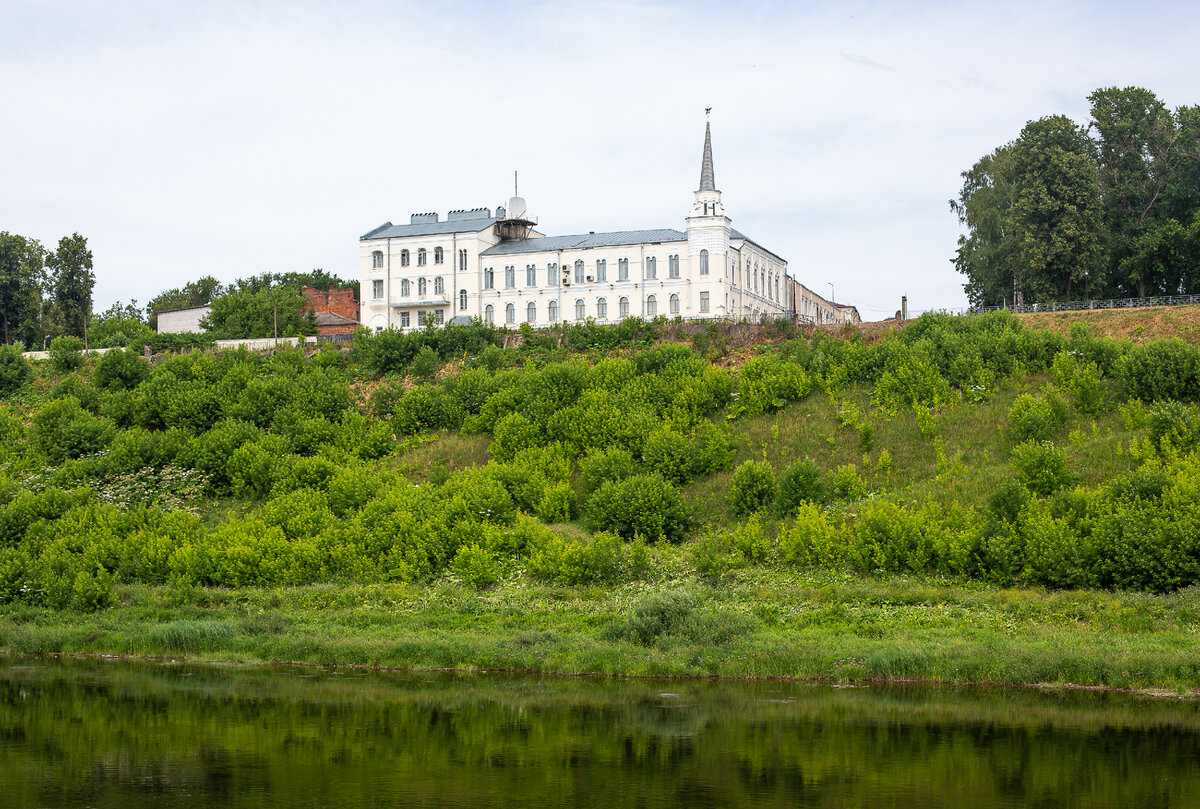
{"x": 104, "y": 478}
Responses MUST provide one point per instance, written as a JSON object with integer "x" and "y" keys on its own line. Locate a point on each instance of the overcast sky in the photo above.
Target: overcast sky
{"x": 184, "y": 139}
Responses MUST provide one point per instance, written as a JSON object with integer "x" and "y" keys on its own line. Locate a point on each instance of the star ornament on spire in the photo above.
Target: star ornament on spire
{"x": 707, "y": 110}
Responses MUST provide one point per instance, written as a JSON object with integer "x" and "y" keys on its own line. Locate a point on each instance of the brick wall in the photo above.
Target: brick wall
{"x": 338, "y": 301}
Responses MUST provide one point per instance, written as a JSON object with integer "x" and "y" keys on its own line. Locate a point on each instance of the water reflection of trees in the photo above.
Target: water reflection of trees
{"x": 123, "y": 734}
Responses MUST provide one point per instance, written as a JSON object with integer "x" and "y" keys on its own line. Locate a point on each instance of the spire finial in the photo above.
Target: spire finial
{"x": 707, "y": 183}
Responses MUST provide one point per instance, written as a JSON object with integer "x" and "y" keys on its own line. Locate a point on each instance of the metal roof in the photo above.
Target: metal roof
{"x": 583, "y": 241}
{"x": 333, "y": 319}
{"x": 388, "y": 230}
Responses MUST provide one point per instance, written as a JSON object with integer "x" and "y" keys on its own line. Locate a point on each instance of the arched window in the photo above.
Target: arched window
{"x": 462, "y": 299}
{"x": 404, "y": 287}
{"x": 552, "y": 274}
{"x": 651, "y": 267}
{"x": 422, "y": 286}
{"x": 673, "y": 266}
{"x": 489, "y": 314}
{"x": 601, "y": 270}
{"x": 673, "y": 303}
{"x": 462, "y": 260}
{"x": 704, "y": 262}
{"x": 421, "y": 257}
{"x": 437, "y": 255}
{"x": 531, "y": 313}
{"x": 651, "y": 307}
{"x": 489, "y": 278}
{"x": 439, "y": 286}
{"x": 622, "y": 269}
{"x": 403, "y": 258}
{"x": 552, "y": 311}
{"x": 510, "y": 314}
{"x": 579, "y": 271}
{"x": 601, "y": 309}
{"x": 510, "y": 277}
{"x": 377, "y": 260}
{"x": 623, "y": 307}
{"x": 580, "y": 309}
{"x": 530, "y": 275}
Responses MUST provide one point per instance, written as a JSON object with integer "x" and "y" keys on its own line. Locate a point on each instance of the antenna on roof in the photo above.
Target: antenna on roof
{"x": 515, "y": 194}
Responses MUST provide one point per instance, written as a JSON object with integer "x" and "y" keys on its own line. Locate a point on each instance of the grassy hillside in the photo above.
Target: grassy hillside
{"x": 964, "y": 499}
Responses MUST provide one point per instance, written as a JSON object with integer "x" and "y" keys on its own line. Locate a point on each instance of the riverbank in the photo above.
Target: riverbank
{"x": 757, "y": 623}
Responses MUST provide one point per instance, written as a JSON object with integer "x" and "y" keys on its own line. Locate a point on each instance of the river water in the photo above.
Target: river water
{"x": 121, "y": 734}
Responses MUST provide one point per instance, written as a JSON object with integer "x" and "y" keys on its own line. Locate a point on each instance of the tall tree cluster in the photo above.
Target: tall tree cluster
{"x": 44, "y": 292}
{"x": 1064, "y": 212}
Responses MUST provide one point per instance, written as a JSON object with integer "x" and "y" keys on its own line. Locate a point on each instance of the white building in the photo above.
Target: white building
{"x": 500, "y": 269}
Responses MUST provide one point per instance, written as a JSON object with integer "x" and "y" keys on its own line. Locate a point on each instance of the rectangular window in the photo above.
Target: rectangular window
{"x": 441, "y": 316}
{"x": 703, "y": 301}
{"x": 530, "y": 275}
{"x": 489, "y": 278}
{"x": 552, "y": 275}
{"x": 510, "y": 277}
{"x": 673, "y": 266}
{"x": 601, "y": 270}
{"x": 651, "y": 267}
{"x": 377, "y": 290}
{"x": 404, "y": 321}
{"x": 420, "y": 317}
{"x": 623, "y": 269}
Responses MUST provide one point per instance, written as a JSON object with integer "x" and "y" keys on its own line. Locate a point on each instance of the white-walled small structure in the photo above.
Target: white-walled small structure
{"x": 497, "y": 267}
{"x": 176, "y": 321}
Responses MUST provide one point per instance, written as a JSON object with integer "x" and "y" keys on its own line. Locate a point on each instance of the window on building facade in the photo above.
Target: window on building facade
{"x": 377, "y": 260}
{"x": 510, "y": 277}
{"x": 673, "y": 304}
{"x": 601, "y": 270}
{"x": 531, "y": 312}
{"x": 673, "y": 266}
{"x": 579, "y": 271}
{"x": 462, "y": 299}
{"x": 421, "y": 257}
{"x": 422, "y": 287}
{"x": 462, "y": 260}
{"x": 377, "y": 289}
{"x": 439, "y": 286}
{"x": 777, "y": 288}
{"x": 703, "y": 301}
{"x": 489, "y": 278}
{"x": 510, "y": 314}
{"x": 623, "y": 307}
{"x": 405, "y": 288}
{"x": 437, "y": 255}
{"x": 622, "y": 269}
{"x": 489, "y": 314}
{"x": 441, "y": 316}
{"x": 420, "y": 317}
{"x": 704, "y": 262}
{"x": 651, "y": 307}
{"x": 530, "y": 275}
{"x": 404, "y": 320}
{"x": 601, "y": 309}
{"x": 651, "y": 267}
{"x": 403, "y": 258}
{"x": 552, "y": 311}
{"x": 580, "y": 309}
{"x": 552, "y": 275}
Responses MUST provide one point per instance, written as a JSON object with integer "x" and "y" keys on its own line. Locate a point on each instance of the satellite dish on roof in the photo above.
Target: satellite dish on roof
{"x": 516, "y": 208}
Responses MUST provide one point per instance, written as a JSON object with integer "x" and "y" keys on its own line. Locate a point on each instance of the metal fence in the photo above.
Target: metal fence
{"x": 1073, "y": 306}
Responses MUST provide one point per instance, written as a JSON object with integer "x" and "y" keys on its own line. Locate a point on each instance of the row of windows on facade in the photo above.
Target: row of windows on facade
{"x": 424, "y": 318}
{"x": 581, "y": 313}
{"x": 762, "y": 279}
{"x": 422, "y": 258}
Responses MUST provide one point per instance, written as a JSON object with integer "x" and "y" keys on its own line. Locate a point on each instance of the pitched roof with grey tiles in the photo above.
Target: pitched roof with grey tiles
{"x": 388, "y": 230}
{"x": 583, "y": 241}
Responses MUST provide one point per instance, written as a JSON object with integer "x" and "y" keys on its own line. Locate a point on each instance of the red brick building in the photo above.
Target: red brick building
{"x": 337, "y": 311}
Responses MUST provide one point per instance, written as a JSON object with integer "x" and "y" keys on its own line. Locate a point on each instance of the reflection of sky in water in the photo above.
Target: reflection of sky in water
{"x": 103, "y": 734}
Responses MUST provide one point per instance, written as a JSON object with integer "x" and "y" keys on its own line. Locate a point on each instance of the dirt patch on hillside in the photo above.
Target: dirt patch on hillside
{"x": 1139, "y": 325}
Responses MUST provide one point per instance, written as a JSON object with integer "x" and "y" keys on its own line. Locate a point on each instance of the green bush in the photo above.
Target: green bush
{"x": 677, "y": 615}
{"x": 1171, "y": 425}
{"x": 752, "y": 487}
{"x": 120, "y": 369}
{"x": 601, "y": 558}
{"x": 645, "y": 505}
{"x": 1163, "y": 369}
{"x": 846, "y": 483}
{"x": 478, "y": 567}
{"x": 1032, "y": 418}
{"x": 14, "y": 370}
{"x": 810, "y": 541}
{"x": 601, "y": 465}
{"x": 800, "y": 483}
{"x": 425, "y": 364}
{"x": 66, "y": 354}
{"x": 1041, "y": 466}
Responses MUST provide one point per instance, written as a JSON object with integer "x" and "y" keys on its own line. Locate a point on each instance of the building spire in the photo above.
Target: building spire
{"x": 706, "y": 167}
